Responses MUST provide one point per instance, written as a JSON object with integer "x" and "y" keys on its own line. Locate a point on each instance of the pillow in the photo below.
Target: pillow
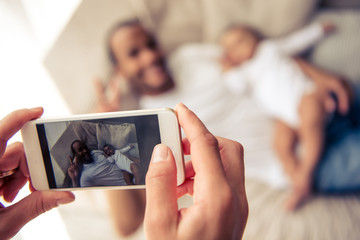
{"x": 83, "y": 131}
{"x": 340, "y": 51}
{"x": 272, "y": 17}
{"x": 86, "y": 132}
{"x": 118, "y": 136}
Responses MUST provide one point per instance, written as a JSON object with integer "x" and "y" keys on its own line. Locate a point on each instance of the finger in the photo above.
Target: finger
{"x": 30, "y": 207}
{"x": 14, "y": 122}
{"x": 232, "y": 155}
{"x": 330, "y": 104}
{"x": 70, "y": 160}
{"x": 31, "y": 187}
{"x": 189, "y": 170}
{"x": 1, "y": 184}
{"x": 203, "y": 146}
{"x": 186, "y": 146}
{"x": 343, "y": 101}
{"x": 76, "y": 161}
{"x": 115, "y": 92}
{"x": 342, "y": 95}
{"x": 14, "y": 158}
{"x": 12, "y": 186}
{"x": 186, "y": 188}
{"x": 161, "y": 198}
{"x": 99, "y": 90}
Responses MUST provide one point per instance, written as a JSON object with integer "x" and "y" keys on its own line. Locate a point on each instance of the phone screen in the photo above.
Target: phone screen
{"x": 100, "y": 152}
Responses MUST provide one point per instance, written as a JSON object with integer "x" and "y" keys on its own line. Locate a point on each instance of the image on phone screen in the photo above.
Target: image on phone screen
{"x": 102, "y": 152}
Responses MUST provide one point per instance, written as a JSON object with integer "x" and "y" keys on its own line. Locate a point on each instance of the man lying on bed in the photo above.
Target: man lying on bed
{"x": 88, "y": 169}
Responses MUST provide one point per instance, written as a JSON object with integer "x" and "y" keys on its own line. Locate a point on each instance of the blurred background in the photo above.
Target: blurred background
{"x": 51, "y": 51}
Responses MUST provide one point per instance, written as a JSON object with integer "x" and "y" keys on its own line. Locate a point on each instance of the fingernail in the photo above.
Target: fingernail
{"x": 180, "y": 105}
{"x": 160, "y": 153}
{"x": 63, "y": 201}
{"x": 36, "y": 109}
{"x": 184, "y": 105}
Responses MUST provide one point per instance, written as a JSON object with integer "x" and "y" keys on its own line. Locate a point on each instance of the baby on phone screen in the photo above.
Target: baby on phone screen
{"x": 267, "y": 70}
{"x": 119, "y": 157}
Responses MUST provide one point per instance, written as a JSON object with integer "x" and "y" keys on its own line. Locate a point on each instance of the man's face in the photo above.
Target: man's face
{"x": 82, "y": 152}
{"x": 140, "y": 60}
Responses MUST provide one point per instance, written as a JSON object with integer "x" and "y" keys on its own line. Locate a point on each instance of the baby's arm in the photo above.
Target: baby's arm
{"x": 126, "y": 149}
{"x": 122, "y": 161}
{"x": 303, "y": 39}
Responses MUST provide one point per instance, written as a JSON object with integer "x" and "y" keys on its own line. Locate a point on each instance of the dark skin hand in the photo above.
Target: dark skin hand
{"x": 74, "y": 171}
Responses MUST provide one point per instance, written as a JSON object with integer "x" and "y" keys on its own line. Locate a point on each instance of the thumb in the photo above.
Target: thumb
{"x": 17, "y": 215}
{"x": 161, "y": 196}
{"x": 330, "y": 104}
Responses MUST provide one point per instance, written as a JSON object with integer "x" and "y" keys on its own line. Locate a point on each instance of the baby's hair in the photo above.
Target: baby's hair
{"x": 243, "y": 27}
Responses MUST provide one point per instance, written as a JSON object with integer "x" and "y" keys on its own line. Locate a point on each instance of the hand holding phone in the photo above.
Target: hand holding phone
{"x": 215, "y": 178}
{"x": 108, "y": 150}
{"x": 12, "y": 160}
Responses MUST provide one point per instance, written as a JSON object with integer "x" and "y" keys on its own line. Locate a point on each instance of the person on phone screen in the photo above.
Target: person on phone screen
{"x": 120, "y": 158}
{"x": 91, "y": 168}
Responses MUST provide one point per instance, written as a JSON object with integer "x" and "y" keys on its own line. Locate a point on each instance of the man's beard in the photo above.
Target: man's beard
{"x": 141, "y": 86}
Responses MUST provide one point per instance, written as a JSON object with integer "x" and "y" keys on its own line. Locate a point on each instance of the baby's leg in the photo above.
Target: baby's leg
{"x": 311, "y": 131}
{"x": 285, "y": 139}
{"x": 311, "y": 136}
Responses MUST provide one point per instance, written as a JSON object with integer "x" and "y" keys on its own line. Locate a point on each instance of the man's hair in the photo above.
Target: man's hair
{"x": 72, "y": 146}
{"x": 115, "y": 28}
{"x": 252, "y": 30}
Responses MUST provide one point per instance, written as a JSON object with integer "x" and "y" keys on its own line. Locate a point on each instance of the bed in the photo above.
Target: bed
{"x": 94, "y": 135}
{"x": 201, "y": 21}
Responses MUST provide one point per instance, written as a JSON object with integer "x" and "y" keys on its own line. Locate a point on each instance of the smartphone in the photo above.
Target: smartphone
{"x": 105, "y": 150}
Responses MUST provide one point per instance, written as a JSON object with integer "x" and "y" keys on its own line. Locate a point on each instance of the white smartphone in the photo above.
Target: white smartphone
{"x": 107, "y": 150}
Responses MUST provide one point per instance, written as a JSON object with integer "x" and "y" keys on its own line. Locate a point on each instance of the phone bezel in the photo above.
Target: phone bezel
{"x": 170, "y": 135}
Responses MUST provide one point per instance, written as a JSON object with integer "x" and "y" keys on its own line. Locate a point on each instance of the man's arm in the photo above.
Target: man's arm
{"x": 74, "y": 172}
{"x": 329, "y": 83}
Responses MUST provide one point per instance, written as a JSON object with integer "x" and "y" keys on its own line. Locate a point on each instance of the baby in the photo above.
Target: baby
{"x": 110, "y": 151}
{"x": 266, "y": 69}
{"x": 123, "y": 161}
